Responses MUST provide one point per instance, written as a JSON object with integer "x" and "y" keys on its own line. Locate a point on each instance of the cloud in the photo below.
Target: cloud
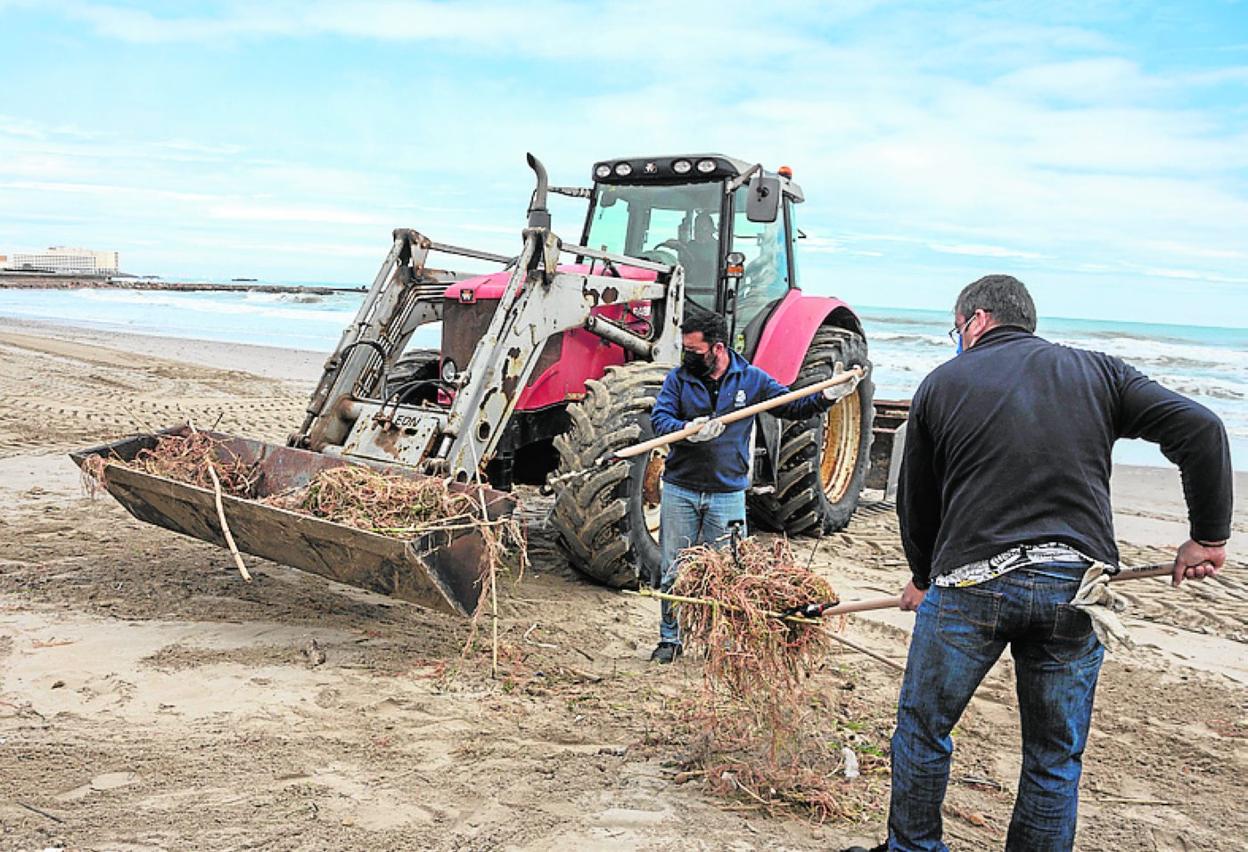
{"x": 1081, "y": 79}
{"x": 247, "y": 210}
{"x": 932, "y": 136}
{"x": 984, "y": 251}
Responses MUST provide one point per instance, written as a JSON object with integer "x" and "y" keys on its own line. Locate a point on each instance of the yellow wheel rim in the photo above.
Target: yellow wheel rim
{"x": 652, "y": 490}
{"x": 842, "y": 433}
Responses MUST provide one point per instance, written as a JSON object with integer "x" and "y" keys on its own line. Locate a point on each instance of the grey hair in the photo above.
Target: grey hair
{"x": 1003, "y": 296}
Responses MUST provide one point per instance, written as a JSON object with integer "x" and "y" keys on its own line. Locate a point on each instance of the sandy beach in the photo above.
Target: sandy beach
{"x": 150, "y": 699}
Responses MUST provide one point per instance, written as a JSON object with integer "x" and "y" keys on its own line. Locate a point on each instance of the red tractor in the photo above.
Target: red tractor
{"x": 547, "y": 367}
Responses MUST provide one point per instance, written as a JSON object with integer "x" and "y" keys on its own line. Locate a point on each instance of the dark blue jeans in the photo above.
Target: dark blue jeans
{"x": 958, "y": 635}
{"x": 686, "y": 518}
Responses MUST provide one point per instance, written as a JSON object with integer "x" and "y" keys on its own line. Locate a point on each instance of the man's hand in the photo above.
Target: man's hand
{"x": 1196, "y": 561}
{"x": 710, "y": 429}
{"x": 911, "y": 597}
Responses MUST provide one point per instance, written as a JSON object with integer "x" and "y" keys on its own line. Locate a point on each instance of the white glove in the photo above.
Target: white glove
{"x": 710, "y": 430}
{"x": 839, "y": 392}
{"x": 1103, "y": 605}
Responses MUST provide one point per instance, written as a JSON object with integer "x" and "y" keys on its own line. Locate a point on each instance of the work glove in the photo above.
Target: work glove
{"x": 1103, "y": 605}
{"x": 839, "y": 392}
{"x": 710, "y": 430}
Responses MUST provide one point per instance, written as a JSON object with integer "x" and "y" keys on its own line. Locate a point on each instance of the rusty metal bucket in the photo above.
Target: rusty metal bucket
{"x": 439, "y": 570}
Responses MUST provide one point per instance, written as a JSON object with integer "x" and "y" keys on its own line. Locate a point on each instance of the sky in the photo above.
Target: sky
{"x": 1096, "y": 150}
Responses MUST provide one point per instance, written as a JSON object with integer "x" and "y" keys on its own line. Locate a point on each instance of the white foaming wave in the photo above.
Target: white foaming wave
{"x": 1137, "y": 350}
{"x": 900, "y": 338}
{"x": 1201, "y": 387}
{"x": 241, "y": 307}
{"x": 279, "y": 298}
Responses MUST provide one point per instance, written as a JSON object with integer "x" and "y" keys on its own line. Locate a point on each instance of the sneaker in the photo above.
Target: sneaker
{"x": 666, "y": 652}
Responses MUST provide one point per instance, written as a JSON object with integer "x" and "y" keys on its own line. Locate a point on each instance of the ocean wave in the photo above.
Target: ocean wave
{"x": 1139, "y": 351}
{"x": 941, "y": 341}
{"x": 203, "y": 303}
{"x": 1195, "y": 387}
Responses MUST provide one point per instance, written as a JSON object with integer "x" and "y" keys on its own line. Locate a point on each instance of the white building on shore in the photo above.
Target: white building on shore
{"x": 65, "y": 260}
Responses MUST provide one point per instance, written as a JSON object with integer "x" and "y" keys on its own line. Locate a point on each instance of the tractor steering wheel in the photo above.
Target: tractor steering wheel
{"x": 661, "y": 254}
{"x": 679, "y": 249}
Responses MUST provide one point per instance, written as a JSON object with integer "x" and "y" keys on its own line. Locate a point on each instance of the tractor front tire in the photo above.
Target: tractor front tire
{"x": 415, "y": 366}
{"x": 822, "y": 460}
{"x": 608, "y": 518}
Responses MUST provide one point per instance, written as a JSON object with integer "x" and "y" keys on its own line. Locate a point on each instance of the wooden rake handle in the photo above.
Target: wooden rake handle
{"x": 1136, "y": 572}
{"x": 854, "y": 374}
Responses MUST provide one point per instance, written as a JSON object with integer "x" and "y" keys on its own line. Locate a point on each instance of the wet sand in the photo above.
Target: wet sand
{"x": 150, "y": 699}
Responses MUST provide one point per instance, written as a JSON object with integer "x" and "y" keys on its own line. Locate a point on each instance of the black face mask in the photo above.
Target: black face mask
{"x": 696, "y": 363}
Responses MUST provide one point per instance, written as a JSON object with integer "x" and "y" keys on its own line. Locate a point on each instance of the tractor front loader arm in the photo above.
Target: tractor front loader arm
{"x": 538, "y": 302}
{"x": 405, "y": 294}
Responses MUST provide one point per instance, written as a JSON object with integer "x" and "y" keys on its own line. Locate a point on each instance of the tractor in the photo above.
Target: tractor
{"x": 587, "y": 346}
{"x": 549, "y": 365}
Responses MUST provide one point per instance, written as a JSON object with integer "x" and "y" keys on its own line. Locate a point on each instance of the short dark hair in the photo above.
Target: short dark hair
{"x": 1003, "y": 296}
{"x": 713, "y": 327}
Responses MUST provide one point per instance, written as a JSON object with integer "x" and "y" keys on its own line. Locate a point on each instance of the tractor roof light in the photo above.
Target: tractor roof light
{"x": 602, "y": 171}
{"x": 623, "y": 169}
{"x": 651, "y": 168}
{"x": 785, "y": 172}
{"x": 682, "y": 167}
{"x": 706, "y": 166}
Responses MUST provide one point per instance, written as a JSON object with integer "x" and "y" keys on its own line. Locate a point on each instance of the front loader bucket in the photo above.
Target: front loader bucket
{"x": 439, "y": 570}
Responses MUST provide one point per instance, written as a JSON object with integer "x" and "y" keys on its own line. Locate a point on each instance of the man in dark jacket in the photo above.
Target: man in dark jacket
{"x": 706, "y": 475}
{"x": 1004, "y": 503}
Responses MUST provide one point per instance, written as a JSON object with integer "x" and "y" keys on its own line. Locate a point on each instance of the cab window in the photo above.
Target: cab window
{"x": 668, "y": 224}
{"x": 766, "y": 276}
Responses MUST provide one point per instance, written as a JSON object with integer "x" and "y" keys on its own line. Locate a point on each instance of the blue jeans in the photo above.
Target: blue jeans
{"x": 686, "y": 518}
{"x": 958, "y": 635}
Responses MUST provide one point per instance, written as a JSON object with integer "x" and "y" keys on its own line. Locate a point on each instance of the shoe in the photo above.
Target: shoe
{"x": 883, "y": 847}
{"x": 666, "y": 652}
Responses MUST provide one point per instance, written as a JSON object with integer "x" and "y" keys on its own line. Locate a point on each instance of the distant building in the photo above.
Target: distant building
{"x": 65, "y": 260}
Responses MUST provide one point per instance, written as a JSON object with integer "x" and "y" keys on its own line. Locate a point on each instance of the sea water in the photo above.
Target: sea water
{"x": 1208, "y": 364}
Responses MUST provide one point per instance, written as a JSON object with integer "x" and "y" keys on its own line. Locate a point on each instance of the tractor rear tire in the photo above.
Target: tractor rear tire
{"x": 416, "y": 365}
{"x": 823, "y": 460}
{"x": 608, "y": 518}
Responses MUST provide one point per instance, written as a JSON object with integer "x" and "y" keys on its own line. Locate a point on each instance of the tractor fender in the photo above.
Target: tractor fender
{"x": 791, "y": 327}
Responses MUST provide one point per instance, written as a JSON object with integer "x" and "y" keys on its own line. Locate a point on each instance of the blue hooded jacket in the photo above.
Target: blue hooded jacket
{"x": 723, "y": 463}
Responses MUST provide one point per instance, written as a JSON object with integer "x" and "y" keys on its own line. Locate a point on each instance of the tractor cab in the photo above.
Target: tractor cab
{"x": 730, "y": 225}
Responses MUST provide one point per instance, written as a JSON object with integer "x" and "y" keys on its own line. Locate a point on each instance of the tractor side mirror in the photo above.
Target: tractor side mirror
{"x": 763, "y": 203}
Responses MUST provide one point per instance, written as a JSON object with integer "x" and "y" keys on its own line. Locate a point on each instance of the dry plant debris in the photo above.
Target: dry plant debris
{"x": 185, "y": 458}
{"x": 387, "y": 503}
{"x": 762, "y": 728}
{"x": 406, "y": 507}
{"x": 747, "y": 647}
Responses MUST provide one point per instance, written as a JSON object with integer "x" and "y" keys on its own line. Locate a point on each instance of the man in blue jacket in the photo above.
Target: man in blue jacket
{"x": 1004, "y": 504}
{"x": 706, "y": 475}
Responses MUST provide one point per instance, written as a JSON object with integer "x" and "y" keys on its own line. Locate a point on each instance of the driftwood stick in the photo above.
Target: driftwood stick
{"x": 225, "y": 526}
{"x": 39, "y": 811}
